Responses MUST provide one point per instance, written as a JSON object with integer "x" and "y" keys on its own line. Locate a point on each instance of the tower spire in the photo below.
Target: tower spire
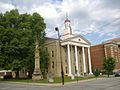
{"x": 67, "y": 24}
{"x": 66, "y": 15}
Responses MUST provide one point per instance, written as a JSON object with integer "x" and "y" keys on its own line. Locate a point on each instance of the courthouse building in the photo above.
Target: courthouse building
{"x": 75, "y": 53}
{"x": 108, "y": 48}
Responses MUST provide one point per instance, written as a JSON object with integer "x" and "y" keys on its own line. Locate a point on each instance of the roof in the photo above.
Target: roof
{"x": 52, "y": 39}
{"x": 67, "y": 20}
{"x": 49, "y": 40}
{"x": 84, "y": 39}
{"x": 112, "y": 40}
{"x": 97, "y": 45}
{"x": 75, "y": 36}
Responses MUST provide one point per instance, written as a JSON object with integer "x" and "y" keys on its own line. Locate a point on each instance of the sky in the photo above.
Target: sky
{"x": 96, "y": 20}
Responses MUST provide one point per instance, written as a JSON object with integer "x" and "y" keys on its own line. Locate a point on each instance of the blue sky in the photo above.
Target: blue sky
{"x": 96, "y": 20}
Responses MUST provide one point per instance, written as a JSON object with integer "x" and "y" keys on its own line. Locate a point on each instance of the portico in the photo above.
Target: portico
{"x": 75, "y": 59}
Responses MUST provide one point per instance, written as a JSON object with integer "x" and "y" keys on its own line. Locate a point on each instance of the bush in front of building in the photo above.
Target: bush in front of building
{"x": 7, "y": 77}
{"x": 96, "y": 73}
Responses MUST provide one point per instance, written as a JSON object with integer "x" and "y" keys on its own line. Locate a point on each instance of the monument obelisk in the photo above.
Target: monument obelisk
{"x": 37, "y": 75}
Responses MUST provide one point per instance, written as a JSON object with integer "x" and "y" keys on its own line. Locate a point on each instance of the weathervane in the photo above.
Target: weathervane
{"x": 66, "y": 15}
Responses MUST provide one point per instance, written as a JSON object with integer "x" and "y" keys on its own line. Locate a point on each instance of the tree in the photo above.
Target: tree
{"x": 15, "y": 49}
{"x": 19, "y": 33}
{"x": 44, "y": 62}
{"x": 109, "y": 65}
{"x": 44, "y": 56}
{"x": 16, "y": 41}
{"x": 38, "y": 27}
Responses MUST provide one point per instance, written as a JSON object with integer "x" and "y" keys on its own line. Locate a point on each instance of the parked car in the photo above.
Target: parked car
{"x": 5, "y": 74}
{"x": 117, "y": 73}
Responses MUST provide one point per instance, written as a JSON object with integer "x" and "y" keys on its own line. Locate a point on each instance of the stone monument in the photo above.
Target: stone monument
{"x": 37, "y": 75}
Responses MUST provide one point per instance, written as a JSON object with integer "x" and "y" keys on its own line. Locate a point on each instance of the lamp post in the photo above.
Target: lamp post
{"x": 62, "y": 73}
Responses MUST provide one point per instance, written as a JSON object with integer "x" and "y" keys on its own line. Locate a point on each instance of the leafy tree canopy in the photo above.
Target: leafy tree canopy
{"x": 17, "y": 39}
{"x": 109, "y": 65}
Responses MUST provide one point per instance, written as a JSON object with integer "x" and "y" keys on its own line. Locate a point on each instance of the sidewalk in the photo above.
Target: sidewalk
{"x": 53, "y": 84}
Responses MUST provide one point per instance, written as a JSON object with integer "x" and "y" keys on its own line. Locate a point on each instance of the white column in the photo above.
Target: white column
{"x": 76, "y": 58}
{"x": 89, "y": 59}
{"x": 84, "y": 63}
{"x": 69, "y": 61}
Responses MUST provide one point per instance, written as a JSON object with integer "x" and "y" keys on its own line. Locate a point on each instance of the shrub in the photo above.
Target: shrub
{"x": 7, "y": 77}
{"x": 96, "y": 73}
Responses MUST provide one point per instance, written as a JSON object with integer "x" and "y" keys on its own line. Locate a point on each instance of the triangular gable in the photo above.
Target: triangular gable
{"x": 78, "y": 39}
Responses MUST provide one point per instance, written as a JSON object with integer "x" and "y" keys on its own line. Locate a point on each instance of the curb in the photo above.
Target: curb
{"x": 53, "y": 84}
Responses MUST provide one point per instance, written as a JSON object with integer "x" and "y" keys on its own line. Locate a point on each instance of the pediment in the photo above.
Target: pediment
{"x": 78, "y": 39}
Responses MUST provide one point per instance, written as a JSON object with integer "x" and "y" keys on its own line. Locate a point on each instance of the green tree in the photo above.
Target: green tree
{"x": 44, "y": 62}
{"x": 16, "y": 41}
{"x": 109, "y": 65}
{"x": 38, "y": 27}
{"x": 15, "y": 49}
{"x": 19, "y": 33}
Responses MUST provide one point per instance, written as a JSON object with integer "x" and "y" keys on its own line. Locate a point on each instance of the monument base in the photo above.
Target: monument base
{"x": 37, "y": 77}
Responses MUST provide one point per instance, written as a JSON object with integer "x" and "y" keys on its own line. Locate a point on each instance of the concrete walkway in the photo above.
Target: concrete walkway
{"x": 51, "y": 84}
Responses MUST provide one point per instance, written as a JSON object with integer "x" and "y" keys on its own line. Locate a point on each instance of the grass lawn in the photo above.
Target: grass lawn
{"x": 68, "y": 79}
{"x": 56, "y": 80}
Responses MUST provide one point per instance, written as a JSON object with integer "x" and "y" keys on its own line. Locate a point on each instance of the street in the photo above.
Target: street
{"x": 99, "y": 84}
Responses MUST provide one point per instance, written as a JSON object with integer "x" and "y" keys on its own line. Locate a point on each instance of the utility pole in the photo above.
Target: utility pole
{"x": 62, "y": 73}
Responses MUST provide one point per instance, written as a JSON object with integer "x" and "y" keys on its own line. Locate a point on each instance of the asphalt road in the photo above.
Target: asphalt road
{"x": 99, "y": 84}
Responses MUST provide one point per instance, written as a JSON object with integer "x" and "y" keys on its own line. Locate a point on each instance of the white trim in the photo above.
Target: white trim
{"x": 74, "y": 43}
{"x": 84, "y": 63}
{"x": 69, "y": 61}
{"x": 76, "y": 59}
{"x": 89, "y": 60}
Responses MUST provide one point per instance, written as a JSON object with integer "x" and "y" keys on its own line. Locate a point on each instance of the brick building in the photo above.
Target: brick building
{"x": 106, "y": 49}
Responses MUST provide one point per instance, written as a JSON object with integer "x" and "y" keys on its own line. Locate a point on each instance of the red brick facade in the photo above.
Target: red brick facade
{"x": 97, "y": 55}
{"x": 108, "y": 48}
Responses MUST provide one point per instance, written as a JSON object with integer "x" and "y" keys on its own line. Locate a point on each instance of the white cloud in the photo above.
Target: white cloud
{"x": 47, "y": 10}
{"x": 87, "y": 16}
{"x": 5, "y": 7}
{"x": 105, "y": 14}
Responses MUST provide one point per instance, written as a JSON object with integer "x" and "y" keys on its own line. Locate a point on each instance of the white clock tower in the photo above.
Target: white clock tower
{"x": 67, "y": 24}
{"x": 67, "y": 29}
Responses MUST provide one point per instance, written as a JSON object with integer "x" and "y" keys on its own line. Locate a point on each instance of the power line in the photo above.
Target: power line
{"x": 109, "y": 23}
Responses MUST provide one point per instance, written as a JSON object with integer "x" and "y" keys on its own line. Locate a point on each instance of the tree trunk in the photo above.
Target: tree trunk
{"x": 108, "y": 74}
{"x": 17, "y": 74}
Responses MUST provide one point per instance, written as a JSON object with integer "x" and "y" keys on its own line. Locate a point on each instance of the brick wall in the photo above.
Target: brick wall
{"x": 98, "y": 52}
{"x": 113, "y": 51}
{"x": 97, "y": 55}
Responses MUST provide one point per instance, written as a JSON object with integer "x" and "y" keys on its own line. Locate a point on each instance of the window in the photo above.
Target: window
{"x": 75, "y": 70}
{"x": 66, "y": 70}
{"x": 81, "y": 68}
{"x": 115, "y": 49}
{"x": 66, "y": 60}
{"x": 52, "y": 53}
{"x": 46, "y": 49}
{"x": 65, "y": 26}
{"x": 79, "y": 39}
{"x": 53, "y": 64}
